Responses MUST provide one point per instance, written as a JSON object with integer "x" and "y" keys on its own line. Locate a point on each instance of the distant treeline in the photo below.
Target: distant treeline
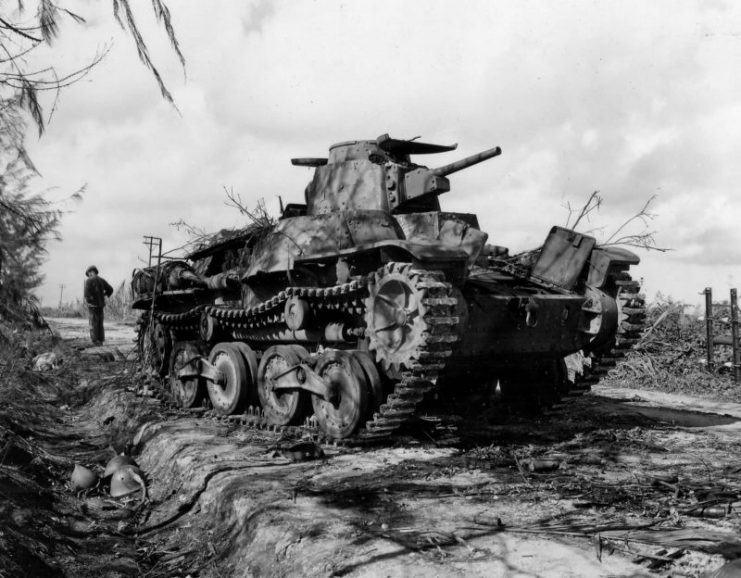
{"x": 118, "y": 306}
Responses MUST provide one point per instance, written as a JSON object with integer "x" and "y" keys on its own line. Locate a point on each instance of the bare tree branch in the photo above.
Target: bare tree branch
{"x": 593, "y": 204}
{"x": 642, "y": 215}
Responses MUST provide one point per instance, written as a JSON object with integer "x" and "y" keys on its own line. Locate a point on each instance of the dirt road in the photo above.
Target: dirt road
{"x": 617, "y": 482}
{"x": 75, "y": 330}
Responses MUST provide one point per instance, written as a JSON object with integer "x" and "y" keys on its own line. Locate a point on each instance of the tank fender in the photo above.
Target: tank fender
{"x": 606, "y": 260}
{"x": 327, "y": 237}
{"x": 403, "y": 251}
{"x": 449, "y": 260}
{"x": 310, "y": 237}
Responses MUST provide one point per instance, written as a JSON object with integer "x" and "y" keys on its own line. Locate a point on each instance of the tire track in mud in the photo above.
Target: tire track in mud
{"x": 187, "y": 506}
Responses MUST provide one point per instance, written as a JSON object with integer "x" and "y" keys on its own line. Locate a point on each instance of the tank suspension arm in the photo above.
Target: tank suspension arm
{"x": 446, "y": 170}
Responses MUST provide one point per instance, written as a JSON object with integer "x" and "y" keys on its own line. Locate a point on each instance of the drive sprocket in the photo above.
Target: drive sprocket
{"x": 395, "y": 314}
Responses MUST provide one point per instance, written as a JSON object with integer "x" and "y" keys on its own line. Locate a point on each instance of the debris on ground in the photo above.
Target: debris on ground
{"x": 47, "y": 361}
{"x": 672, "y": 355}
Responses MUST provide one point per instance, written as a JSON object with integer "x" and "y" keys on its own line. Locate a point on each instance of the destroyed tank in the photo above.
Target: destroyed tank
{"x": 358, "y": 302}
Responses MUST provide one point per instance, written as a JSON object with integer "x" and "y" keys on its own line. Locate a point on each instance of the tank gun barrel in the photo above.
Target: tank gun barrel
{"x": 445, "y": 170}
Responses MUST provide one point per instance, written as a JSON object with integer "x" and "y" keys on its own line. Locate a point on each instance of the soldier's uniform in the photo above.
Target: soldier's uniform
{"x": 96, "y": 290}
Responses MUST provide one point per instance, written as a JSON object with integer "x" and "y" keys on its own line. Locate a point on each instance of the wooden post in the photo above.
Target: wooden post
{"x": 734, "y": 335}
{"x": 709, "y": 326}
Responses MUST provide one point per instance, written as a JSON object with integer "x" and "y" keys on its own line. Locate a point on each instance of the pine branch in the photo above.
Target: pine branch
{"x": 163, "y": 15}
{"x": 7, "y": 25}
{"x": 141, "y": 46}
{"x": 48, "y": 20}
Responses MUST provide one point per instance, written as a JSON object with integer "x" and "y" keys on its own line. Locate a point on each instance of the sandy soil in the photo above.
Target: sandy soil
{"x": 606, "y": 484}
{"x": 75, "y": 331}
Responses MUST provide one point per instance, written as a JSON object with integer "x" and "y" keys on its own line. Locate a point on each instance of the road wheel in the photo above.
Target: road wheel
{"x": 345, "y": 411}
{"x": 250, "y": 360}
{"x": 229, "y": 396}
{"x": 282, "y": 407}
{"x": 143, "y": 342}
{"x": 187, "y": 391}
{"x": 375, "y": 384}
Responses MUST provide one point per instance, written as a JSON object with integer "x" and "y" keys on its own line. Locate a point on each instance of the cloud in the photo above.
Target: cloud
{"x": 259, "y": 13}
{"x": 632, "y": 100}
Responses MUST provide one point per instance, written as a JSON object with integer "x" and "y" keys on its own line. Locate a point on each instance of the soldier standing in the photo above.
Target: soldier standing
{"x": 96, "y": 290}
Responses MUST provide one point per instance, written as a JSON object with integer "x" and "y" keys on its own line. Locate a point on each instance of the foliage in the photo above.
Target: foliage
{"x": 27, "y": 223}
{"x": 261, "y": 223}
{"x": 671, "y": 355}
{"x": 119, "y": 305}
{"x": 22, "y": 33}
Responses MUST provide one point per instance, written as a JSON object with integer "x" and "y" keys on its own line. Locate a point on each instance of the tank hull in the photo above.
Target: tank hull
{"x": 352, "y": 307}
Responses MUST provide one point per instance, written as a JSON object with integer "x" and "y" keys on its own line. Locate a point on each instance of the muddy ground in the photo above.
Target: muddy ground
{"x": 617, "y": 482}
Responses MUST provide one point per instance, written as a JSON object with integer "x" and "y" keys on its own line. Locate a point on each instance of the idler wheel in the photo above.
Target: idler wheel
{"x": 345, "y": 411}
{"x": 281, "y": 407}
{"x": 161, "y": 346}
{"x": 187, "y": 391}
{"x": 229, "y": 396}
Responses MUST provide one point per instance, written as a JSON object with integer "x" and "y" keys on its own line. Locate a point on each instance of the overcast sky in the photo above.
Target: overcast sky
{"x": 633, "y": 99}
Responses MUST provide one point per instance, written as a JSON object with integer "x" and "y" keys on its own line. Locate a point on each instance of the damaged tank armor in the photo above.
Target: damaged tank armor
{"x": 361, "y": 300}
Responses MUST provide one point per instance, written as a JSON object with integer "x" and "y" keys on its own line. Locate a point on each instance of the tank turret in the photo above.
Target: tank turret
{"x": 379, "y": 175}
{"x": 423, "y": 181}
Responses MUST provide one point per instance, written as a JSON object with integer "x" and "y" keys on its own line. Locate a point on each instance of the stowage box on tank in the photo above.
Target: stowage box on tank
{"x": 365, "y": 297}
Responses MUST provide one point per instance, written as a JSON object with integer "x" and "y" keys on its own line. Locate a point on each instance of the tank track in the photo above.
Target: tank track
{"x": 415, "y": 378}
{"x": 632, "y": 311}
{"x": 254, "y": 419}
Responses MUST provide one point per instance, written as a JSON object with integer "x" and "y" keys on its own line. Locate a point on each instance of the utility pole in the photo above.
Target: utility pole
{"x": 151, "y": 243}
{"x": 61, "y": 292}
{"x": 709, "y": 326}
{"x": 734, "y": 335}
